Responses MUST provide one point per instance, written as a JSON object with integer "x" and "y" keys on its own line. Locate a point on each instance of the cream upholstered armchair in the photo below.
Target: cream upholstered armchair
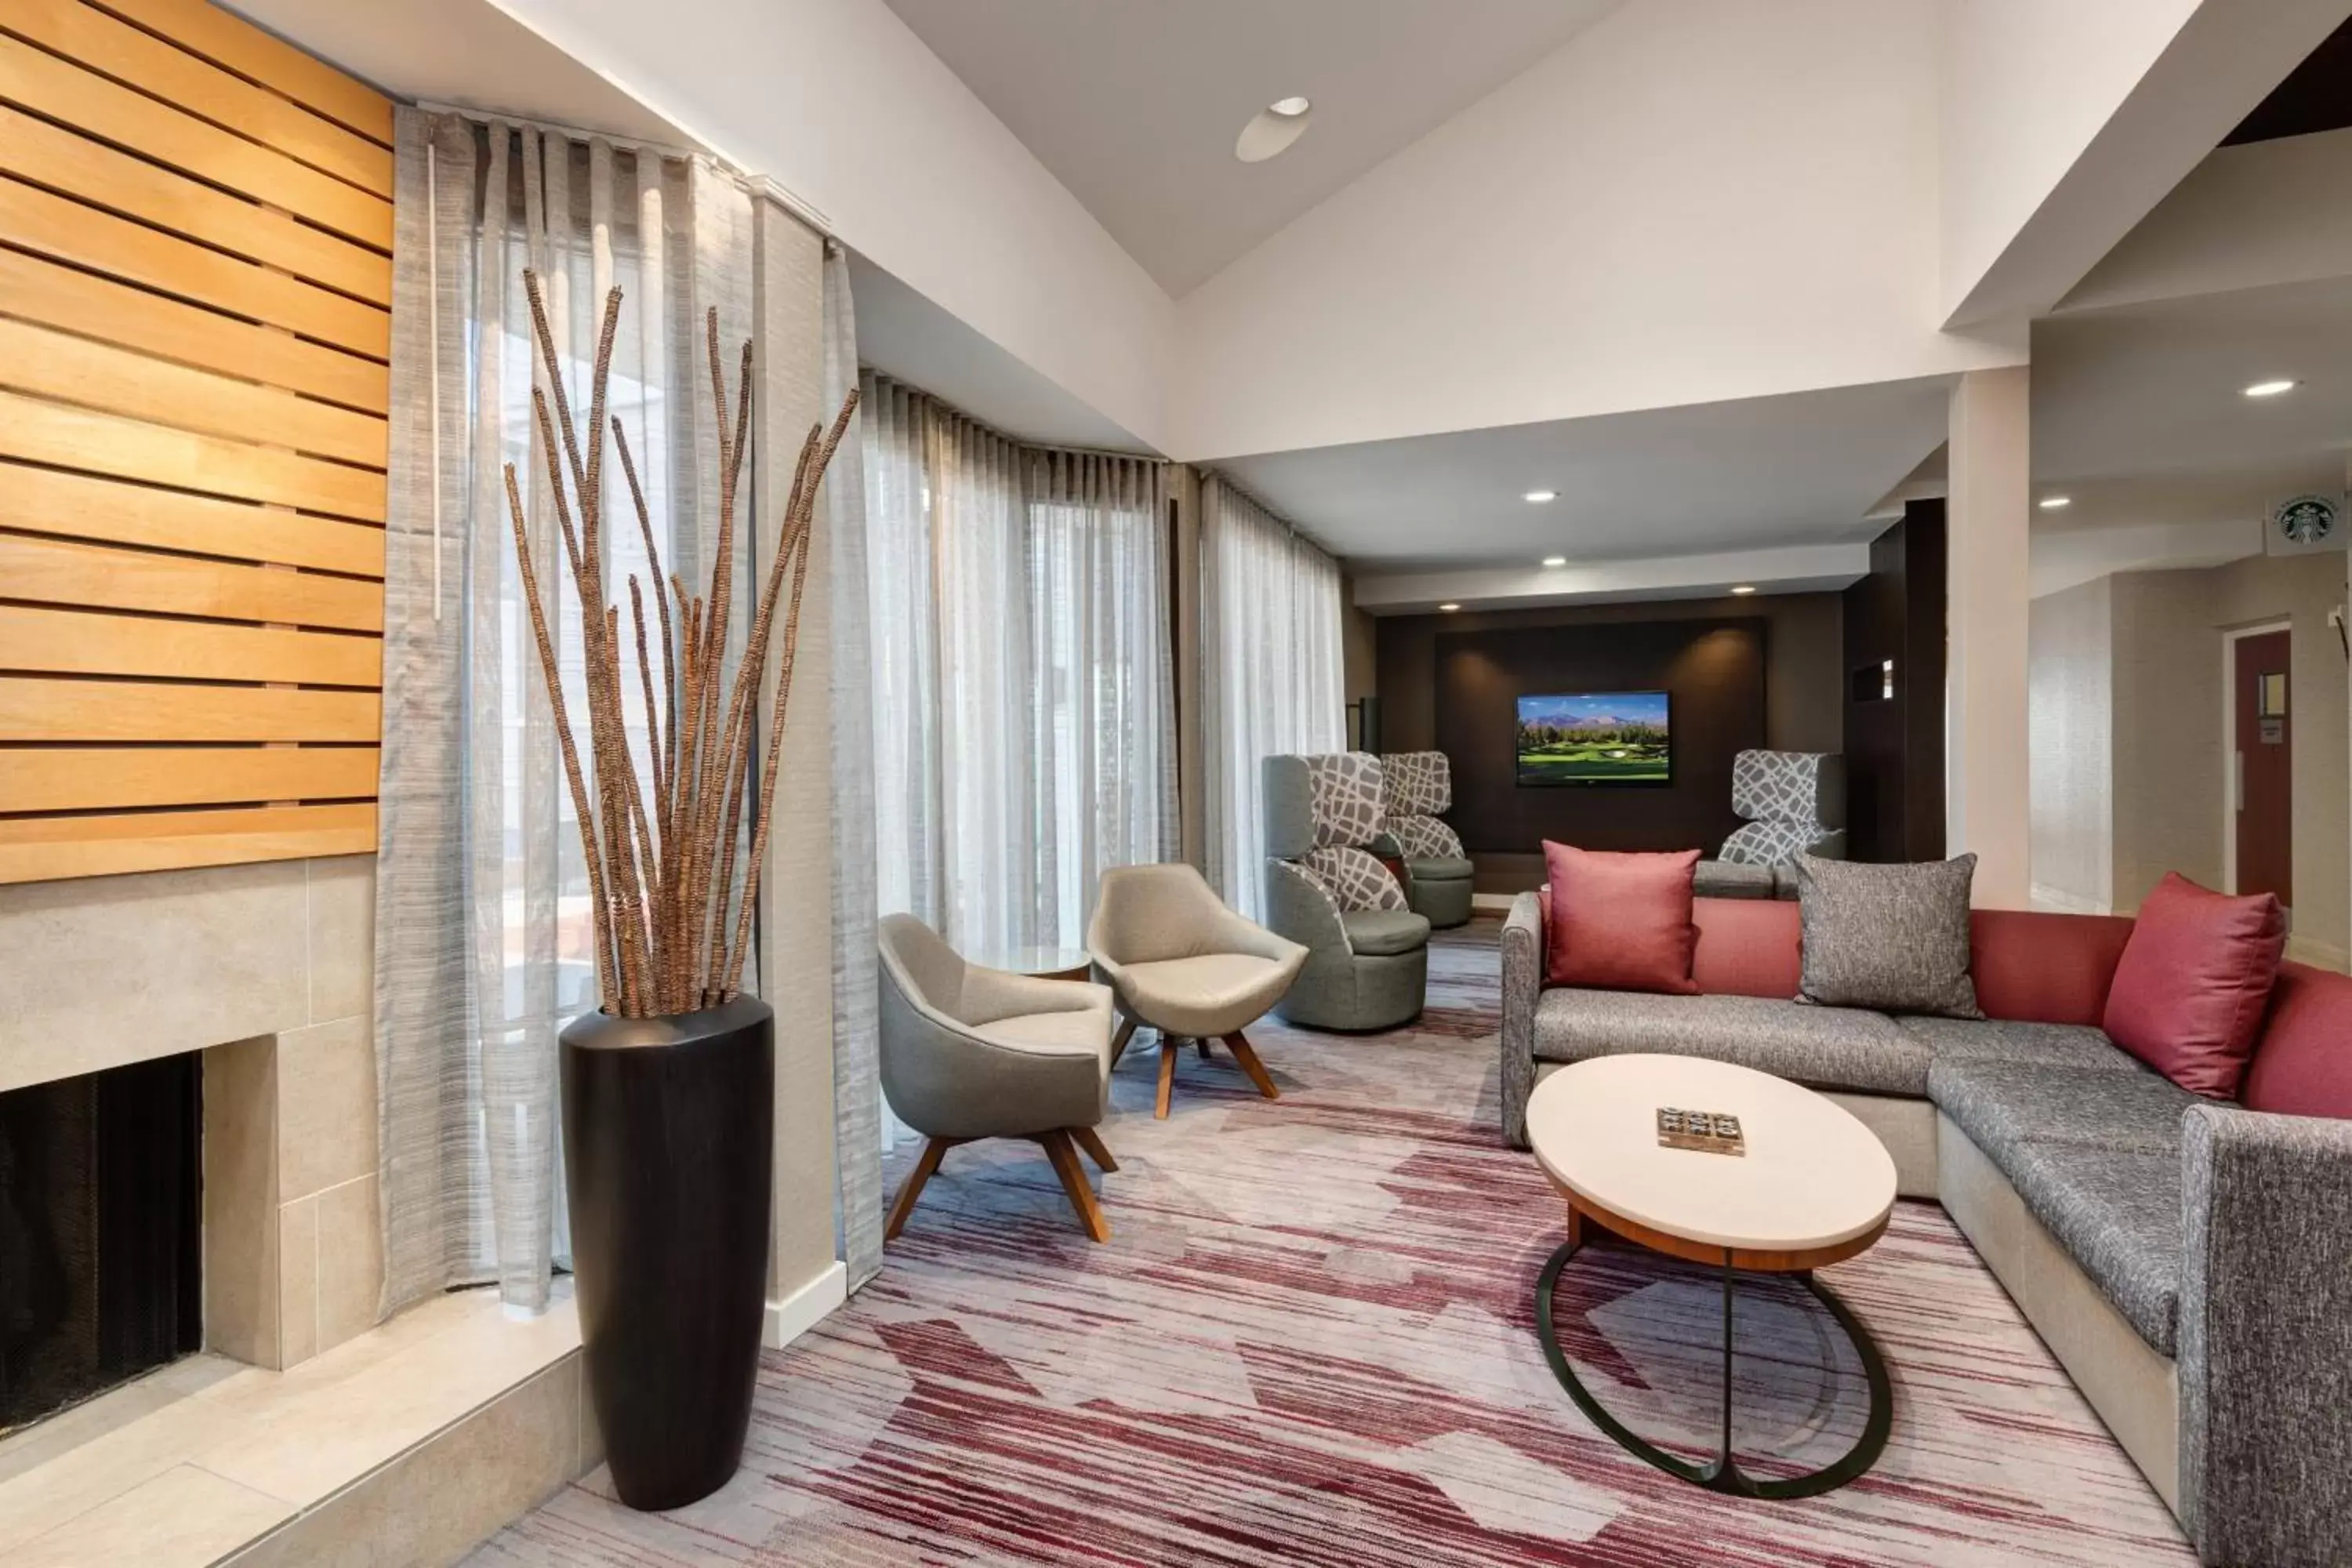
{"x": 1181, "y": 962}
{"x": 1415, "y": 786}
{"x": 1368, "y": 954}
{"x": 970, "y": 1053}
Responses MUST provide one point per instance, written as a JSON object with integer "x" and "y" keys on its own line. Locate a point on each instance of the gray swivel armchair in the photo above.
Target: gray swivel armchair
{"x": 1794, "y": 803}
{"x": 1415, "y": 787}
{"x": 1180, "y": 961}
{"x": 1368, "y": 954}
{"x": 970, "y": 1052}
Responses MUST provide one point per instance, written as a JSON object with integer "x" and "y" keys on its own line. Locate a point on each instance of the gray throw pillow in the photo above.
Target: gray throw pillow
{"x": 1892, "y": 938}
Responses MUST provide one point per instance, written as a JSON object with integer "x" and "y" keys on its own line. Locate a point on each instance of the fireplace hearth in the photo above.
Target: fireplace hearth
{"x": 100, "y": 1232}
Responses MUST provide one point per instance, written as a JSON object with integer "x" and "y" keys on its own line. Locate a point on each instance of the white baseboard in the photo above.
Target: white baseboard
{"x": 1501, "y": 902}
{"x": 805, "y": 1308}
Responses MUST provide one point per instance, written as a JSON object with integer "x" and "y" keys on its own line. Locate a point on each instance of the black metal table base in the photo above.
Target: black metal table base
{"x": 1723, "y": 1474}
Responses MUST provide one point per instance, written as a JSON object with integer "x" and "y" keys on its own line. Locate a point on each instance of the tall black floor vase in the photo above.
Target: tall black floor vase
{"x": 668, "y": 1129}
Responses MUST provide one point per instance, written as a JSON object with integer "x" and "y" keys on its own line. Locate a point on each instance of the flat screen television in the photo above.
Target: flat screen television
{"x": 1596, "y": 737}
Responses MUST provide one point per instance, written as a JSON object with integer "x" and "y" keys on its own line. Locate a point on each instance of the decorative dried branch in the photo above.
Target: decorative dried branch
{"x": 661, "y": 839}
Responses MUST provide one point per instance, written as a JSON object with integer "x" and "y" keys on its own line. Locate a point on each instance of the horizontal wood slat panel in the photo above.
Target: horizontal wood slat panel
{"x": 196, "y": 281}
{"x": 86, "y": 236}
{"x": 54, "y": 571}
{"x": 35, "y": 849}
{"x": 40, "y": 431}
{"x": 59, "y": 297}
{"x": 56, "y": 364}
{"x": 85, "y": 507}
{"x": 35, "y": 709}
{"x": 121, "y": 778}
{"x": 37, "y": 151}
{"x": 83, "y": 33}
{"x": 32, "y": 78}
{"x": 81, "y": 642}
{"x": 203, "y": 30}
{"x": 121, "y": 381}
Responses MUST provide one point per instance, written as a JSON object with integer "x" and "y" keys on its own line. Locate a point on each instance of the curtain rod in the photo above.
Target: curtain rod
{"x": 760, "y": 185}
{"x": 863, "y": 369}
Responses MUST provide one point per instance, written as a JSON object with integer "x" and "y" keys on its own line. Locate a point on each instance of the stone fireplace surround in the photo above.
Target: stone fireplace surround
{"x": 265, "y": 970}
{"x": 306, "y": 1433}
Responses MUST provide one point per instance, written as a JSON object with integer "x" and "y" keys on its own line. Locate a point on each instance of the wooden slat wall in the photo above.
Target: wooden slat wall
{"x": 196, "y": 281}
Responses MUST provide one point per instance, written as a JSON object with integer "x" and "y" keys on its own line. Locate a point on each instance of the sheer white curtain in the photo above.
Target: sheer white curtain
{"x": 1023, "y": 695}
{"x": 1271, "y": 678}
{"x": 483, "y": 940}
{"x": 1098, "y": 580}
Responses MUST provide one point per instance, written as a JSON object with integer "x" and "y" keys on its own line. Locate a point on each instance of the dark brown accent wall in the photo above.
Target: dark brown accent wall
{"x": 1761, "y": 671}
{"x": 1895, "y": 745}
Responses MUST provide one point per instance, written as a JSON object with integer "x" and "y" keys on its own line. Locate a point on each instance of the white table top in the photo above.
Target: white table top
{"x": 1812, "y": 1177}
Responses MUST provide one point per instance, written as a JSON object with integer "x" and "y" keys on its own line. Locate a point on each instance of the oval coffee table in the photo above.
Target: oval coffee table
{"x": 1812, "y": 1187}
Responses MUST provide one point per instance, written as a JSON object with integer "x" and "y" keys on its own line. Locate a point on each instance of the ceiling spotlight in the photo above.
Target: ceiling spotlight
{"x": 1273, "y": 129}
{"x": 2271, "y": 388}
{"x": 1537, "y": 497}
{"x": 1743, "y": 588}
{"x": 1449, "y": 609}
{"x": 2056, "y": 503}
{"x": 1555, "y": 560}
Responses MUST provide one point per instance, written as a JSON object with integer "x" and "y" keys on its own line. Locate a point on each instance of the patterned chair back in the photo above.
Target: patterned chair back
{"x": 1322, "y": 813}
{"x": 1794, "y": 803}
{"x": 1416, "y": 787}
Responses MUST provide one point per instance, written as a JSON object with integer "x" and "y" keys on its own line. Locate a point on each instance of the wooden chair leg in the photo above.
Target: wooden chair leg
{"x": 1118, "y": 1041}
{"x": 1202, "y": 1046}
{"x": 1091, "y": 1142}
{"x": 1074, "y": 1181}
{"x": 912, "y": 1188}
{"x": 1169, "y": 1046}
{"x": 1246, "y": 1054}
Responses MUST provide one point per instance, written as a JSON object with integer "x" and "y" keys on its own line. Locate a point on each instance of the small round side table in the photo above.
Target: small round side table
{"x": 1044, "y": 963}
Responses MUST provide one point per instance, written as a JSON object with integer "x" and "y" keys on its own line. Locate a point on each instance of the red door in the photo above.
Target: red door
{"x": 2265, "y": 754}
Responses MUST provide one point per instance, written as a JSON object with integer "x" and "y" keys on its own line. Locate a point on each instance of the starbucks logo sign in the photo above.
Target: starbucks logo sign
{"x": 2305, "y": 519}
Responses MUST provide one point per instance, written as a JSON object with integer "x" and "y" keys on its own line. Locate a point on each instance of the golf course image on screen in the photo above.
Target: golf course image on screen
{"x": 1595, "y": 738}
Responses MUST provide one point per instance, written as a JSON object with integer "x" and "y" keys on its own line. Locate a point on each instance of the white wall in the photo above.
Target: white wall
{"x": 2246, "y": 218}
{"x": 2071, "y": 679}
{"x": 1702, "y": 200}
{"x": 840, "y": 103}
{"x": 2065, "y": 122}
{"x": 2026, "y": 84}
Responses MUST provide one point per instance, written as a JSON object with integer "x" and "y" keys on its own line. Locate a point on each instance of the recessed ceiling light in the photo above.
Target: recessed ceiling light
{"x": 1743, "y": 588}
{"x": 1273, "y": 129}
{"x": 1449, "y": 609}
{"x": 1537, "y": 497}
{"x": 2056, "y": 503}
{"x": 2270, "y": 388}
{"x": 1554, "y": 561}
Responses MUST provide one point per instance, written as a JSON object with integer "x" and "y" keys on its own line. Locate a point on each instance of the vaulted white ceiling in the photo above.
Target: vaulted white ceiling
{"x": 1135, "y": 104}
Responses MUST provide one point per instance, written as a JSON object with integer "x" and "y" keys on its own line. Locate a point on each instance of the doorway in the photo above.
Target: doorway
{"x": 2260, "y": 734}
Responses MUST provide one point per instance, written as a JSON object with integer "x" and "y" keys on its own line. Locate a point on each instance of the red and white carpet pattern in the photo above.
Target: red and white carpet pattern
{"x": 1311, "y": 1340}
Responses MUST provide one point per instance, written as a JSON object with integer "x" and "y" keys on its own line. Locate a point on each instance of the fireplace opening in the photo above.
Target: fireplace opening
{"x": 100, "y": 1232}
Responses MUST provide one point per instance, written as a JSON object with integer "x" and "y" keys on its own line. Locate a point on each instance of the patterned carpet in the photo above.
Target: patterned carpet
{"x": 1311, "y": 1340}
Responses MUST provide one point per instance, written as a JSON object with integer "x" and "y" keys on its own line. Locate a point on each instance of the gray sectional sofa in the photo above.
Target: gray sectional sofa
{"x": 2187, "y": 1261}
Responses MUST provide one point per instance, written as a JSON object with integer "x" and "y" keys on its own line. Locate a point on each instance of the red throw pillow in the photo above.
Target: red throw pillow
{"x": 2193, "y": 980}
{"x": 1619, "y": 922}
{"x": 2304, "y": 1065}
